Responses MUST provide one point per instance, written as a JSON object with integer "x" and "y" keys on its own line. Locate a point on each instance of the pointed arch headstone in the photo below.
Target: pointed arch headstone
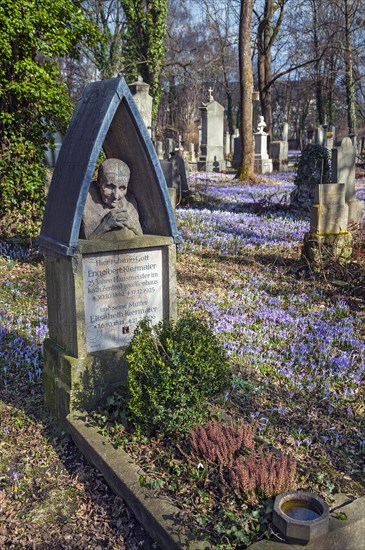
{"x": 98, "y": 290}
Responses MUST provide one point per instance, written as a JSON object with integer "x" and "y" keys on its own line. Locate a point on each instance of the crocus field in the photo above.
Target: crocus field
{"x": 295, "y": 339}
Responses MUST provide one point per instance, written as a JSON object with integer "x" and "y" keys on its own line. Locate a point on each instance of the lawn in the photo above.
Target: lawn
{"x": 295, "y": 343}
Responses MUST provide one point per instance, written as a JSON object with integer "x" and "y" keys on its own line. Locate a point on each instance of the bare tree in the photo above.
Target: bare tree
{"x": 267, "y": 32}
{"x": 246, "y": 169}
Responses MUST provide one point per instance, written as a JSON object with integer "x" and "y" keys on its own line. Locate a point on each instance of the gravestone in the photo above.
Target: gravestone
{"x": 192, "y": 157}
{"x": 159, "y": 149}
{"x": 285, "y": 132}
{"x": 319, "y": 136}
{"x": 51, "y": 154}
{"x": 227, "y": 145}
{"x": 279, "y": 155}
{"x": 174, "y": 171}
{"x": 212, "y": 133}
{"x": 328, "y": 238}
{"x": 263, "y": 163}
{"x": 109, "y": 243}
{"x": 169, "y": 147}
{"x": 343, "y": 171}
{"x": 313, "y": 169}
{"x": 143, "y": 100}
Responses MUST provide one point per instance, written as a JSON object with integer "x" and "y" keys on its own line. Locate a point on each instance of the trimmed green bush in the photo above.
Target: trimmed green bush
{"x": 174, "y": 368}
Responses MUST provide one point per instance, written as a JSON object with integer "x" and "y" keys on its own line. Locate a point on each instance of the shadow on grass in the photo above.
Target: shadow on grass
{"x": 61, "y": 501}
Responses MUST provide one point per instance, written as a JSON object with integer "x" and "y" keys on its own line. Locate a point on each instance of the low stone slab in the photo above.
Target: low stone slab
{"x": 161, "y": 519}
{"x": 164, "y": 521}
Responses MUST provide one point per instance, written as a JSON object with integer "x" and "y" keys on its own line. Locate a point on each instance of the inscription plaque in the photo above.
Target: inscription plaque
{"x": 120, "y": 290}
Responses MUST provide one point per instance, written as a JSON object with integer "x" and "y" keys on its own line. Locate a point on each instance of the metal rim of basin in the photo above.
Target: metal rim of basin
{"x": 297, "y": 527}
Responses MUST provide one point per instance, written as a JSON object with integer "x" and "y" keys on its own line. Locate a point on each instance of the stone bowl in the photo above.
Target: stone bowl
{"x": 300, "y": 517}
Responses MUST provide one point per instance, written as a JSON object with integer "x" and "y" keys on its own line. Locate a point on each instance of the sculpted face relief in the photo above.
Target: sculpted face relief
{"x": 113, "y": 179}
{"x": 111, "y": 212}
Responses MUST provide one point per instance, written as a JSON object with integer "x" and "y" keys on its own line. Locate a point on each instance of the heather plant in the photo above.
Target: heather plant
{"x": 173, "y": 369}
{"x": 253, "y": 474}
{"x": 219, "y": 443}
{"x": 262, "y": 475}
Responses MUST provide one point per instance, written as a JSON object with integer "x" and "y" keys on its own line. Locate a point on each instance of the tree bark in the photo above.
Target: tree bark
{"x": 265, "y": 32}
{"x": 317, "y": 65}
{"x": 350, "y": 85}
{"x": 246, "y": 169}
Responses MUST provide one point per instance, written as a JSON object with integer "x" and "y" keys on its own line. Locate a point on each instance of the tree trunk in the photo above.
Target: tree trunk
{"x": 265, "y": 39}
{"x": 317, "y": 66}
{"x": 350, "y": 85}
{"x": 246, "y": 169}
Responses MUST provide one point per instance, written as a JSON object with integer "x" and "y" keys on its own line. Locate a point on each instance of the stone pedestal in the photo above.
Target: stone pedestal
{"x": 263, "y": 163}
{"x": 95, "y": 300}
{"x": 343, "y": 171}
{"x": 140, "y": 92}
{"x": 212, "y": 133}
{"x": 328, "y": 239}
{"x": 329, "y": 214}
{"x": 279, "y": 155}
{"x": 321, "y": 249}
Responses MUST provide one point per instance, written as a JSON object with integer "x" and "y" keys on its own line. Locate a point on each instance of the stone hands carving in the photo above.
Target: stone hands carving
{"x": 111, "y": 212}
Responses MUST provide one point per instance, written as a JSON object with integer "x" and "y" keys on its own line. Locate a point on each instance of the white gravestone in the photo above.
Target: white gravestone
{"x": 120, "y": 290}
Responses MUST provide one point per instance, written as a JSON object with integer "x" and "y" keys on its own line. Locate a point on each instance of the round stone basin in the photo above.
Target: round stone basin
{"x": 300, "y": 517}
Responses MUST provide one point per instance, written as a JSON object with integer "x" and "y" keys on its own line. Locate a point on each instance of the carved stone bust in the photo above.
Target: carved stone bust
{"x": 110, "y": 211}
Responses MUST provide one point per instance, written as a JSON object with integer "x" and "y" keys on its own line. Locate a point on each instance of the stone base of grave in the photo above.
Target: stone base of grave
{"x": 356, "y": 213}
{"x": 263, "y": 166}
{"x": 95, "y": 300}
{"x": 74, "y": 382}
{"x": 320, "y": 249}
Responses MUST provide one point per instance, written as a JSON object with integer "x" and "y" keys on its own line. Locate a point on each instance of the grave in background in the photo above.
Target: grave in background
{"x": 343, "y": 171}
{"x": 143, "y": 100}
{"x": 100, "y": 286}
{"x": 211, "y": 135}
{"x": 263, "y": 163}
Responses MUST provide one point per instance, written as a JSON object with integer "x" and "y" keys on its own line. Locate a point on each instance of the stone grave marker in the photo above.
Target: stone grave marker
{"x": 212, "y": 134}
{"x": 313, "y": 169}
{"x": 109, "y": 242}
{"x": 263, "y": 163}
{"x": 143, "y": 100}
{"x": 328, "y": 238}
{"x": 159, "y": 149}
{"x": 343, "y": 171}
{"x": 279, "y": 155}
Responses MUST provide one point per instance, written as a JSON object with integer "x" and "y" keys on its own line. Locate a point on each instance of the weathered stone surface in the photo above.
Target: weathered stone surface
{"x": 297, "y": 530}
{"x": 313, "y": 169}
{"x": 140, "y": 91}
{"x": 319, "y": 249}
{"x": 212, "y": 133}
{"x": 105, "y": 117}
{"x": 346, "y": 534}
{"x": 99, "y": 290}
{"x": 343, "y": 171}
{"x": 263, "y": 164}
{"x": 329, "y": 214}
{"x": 75, "y": 375}
{"x": 279, "y": 155}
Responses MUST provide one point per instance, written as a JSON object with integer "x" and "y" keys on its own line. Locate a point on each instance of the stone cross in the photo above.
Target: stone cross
{"x": 210, "y": 90}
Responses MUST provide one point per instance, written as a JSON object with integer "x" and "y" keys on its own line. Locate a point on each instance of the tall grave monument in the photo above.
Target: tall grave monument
{"x": 109, "y": 240}
{"x": 211, "y": 135}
